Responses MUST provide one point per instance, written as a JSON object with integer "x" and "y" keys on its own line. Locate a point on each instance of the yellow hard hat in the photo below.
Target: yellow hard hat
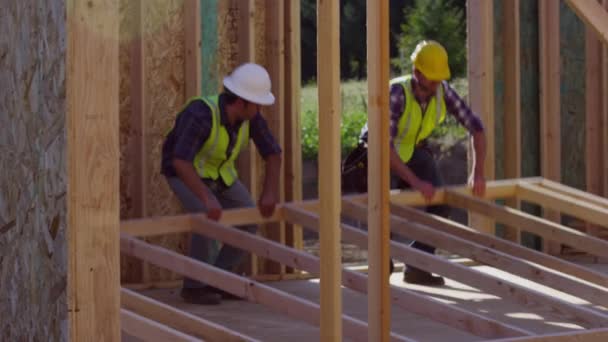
{"x": 431, "y": 59}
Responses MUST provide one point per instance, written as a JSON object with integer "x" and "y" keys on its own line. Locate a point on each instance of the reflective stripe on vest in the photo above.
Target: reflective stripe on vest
{"x": 414, "y": 127}
{"x": 211, "y": 161}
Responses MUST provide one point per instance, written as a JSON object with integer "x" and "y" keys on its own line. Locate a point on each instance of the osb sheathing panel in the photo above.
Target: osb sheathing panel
{"x": 33, "y": 244}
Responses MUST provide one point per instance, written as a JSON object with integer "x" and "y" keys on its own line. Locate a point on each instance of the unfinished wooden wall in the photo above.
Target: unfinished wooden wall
{"x": 33, "y": 242}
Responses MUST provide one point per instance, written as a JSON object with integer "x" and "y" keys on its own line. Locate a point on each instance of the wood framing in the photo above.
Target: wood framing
{"x": 93, "y": 170}
{"x": 480, "y": 47}
{"x": 328, "y": 73}
{"x": 594, "y": 335}
{"x": 512, "y": 102}
{"x": 176, "y": 319}
{"x": 593, "y": 14}
{"x": 550, "y": 122}
{"x": 192, "y": 45}
{"x": 149, "y": 330}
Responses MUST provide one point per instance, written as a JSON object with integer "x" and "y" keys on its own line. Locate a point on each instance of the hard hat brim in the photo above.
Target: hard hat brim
{"x": 265, "y": 100}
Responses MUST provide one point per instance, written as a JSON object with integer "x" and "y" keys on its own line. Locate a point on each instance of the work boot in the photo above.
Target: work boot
{"x": 391, "y": 267}
{"x": 201, "y": 296}
{"x": 224, "y": 294}
{"x": 417, "y": 276}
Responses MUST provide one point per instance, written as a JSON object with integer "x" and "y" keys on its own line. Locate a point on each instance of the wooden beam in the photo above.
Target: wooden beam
{"x": 192, "y": 45}
{"x": 480, "y": 47}
{"x": 209, "y": 47}
{"x": 328, "y": 73}
{"x": 239, "y": 286}
{"x": 177, "y": 319}
{"x": 378, "y": 175}
{"x": 514, "y": 249}
{"x": 593, "y": 14}
{"x": 93, "y": 170}
{"x": 512, "y": 102}
{"x": 604, "y": 108}
{"x": 411, "y": 301}
{"x": 550, "y": 122}
{"x": 575, "y": 193}
{"x": 149, "y": 330}
{"x": 564, "y": 203}
{"x": 487, "y": 255}
{"x": 547, "y": 229}
{"x": 594, "y": 335}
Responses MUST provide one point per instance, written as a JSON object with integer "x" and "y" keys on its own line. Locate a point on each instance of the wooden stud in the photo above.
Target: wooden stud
{"x": 512, "y": 102}
{"x": 486, "y": 255}
{"x": 209, "y": 47}
{"x": 480, "y": 47}
{"x": 411, "y": 301}
{"x": 148, "y": 330}
{"x": 604, "y": 123}
{"x": 93, "y": 208}
{"x": 177, "y": 319}
{"x": 378, "y": 175}
{"x": 550, "y": 122}
{"x": 513, "y": 249}
{"x": 192, "y": 44}
{"x": 547, "y": 229}
{"x": 564, "y": 203}
{"x": 575, "y": 193}
{"x": 594, "y": 335}
{"x": 239, "y": 286}
{"x": 328, "y": 73}
{"x": 593, "y": 14}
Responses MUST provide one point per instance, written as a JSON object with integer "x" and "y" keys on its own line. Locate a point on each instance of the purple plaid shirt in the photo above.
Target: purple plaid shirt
{"x": 454, "y": 105}
{"x": 193, "y": 127}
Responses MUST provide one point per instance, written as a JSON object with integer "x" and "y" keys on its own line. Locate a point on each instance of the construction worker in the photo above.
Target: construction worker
{"x": 418, "y": 104}
{"x": 199, "y": 164}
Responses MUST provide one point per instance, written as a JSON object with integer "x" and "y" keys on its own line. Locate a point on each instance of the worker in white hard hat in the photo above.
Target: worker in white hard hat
{"x": 198, "y": 162}
{"x": 418, "y": 104}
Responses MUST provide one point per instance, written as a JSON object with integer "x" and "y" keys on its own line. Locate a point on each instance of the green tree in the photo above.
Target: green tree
{"x": 440, "y": 20}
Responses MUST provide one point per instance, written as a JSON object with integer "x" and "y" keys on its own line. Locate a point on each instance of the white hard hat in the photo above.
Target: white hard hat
{"x": 251, "y": 82}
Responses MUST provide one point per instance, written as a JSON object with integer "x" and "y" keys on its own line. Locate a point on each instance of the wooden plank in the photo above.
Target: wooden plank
{"x": 480, "y": 47}
{"x": 514, "y": 249}
{"x": 378, "y": 175}
{"x": 93, "y": 169}
{"x": 149, "y": 330}
{"x": 575, "y": 193}
{"x": 594, "y": 335}
{"x": 293, "y": 139}
{"x": 512, "y": 102}
{"x": 593, "y": 14}
{"x": 550, "y": 122}
{"x": 411, "y": 301}
{"x": 604, "y": 124}
{"x": 328, "y": 73}
{"x": 239, "y": 286}
{"x": 547, "y": 229}
{"x": 415, "y": 231}
{"x": 180, "y": 320}
{"x": 564, "y": 203}
{"x": 192, "y": 46}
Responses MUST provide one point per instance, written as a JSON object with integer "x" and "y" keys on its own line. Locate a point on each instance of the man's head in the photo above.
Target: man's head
{"x": 430, "y": 64}
{"x": 248, "y": 87}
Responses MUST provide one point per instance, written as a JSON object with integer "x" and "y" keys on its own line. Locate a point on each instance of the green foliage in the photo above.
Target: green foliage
{"x": 440, "y": 20}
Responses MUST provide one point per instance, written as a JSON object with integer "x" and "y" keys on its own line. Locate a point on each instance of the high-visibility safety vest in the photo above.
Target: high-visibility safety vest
{"x": 212, "y": 161}
{"x": 413, "y": 126}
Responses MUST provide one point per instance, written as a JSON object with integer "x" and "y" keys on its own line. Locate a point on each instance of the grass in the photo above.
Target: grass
{"x": 354, "y": 116}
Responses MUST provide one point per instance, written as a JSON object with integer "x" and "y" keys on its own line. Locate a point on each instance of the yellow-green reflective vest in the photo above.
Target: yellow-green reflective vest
{"x": 211, "y": 161}
{"x": 413, "y": 126}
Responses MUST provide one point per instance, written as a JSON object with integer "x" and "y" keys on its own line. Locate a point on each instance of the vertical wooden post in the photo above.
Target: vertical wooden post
{"x": 604, "y": 157}
{"x": 328, "y": 73}
{"x": 550, "y": 123}
{"x": 480, "y": 43}
{"x": 192, "y": 40}
{"x": 378, "y": 312}
{"x": 293, "y": 143}
{"x": 209, "y": 79}
{"x": 512, "y": 101}
{"x": 93, "y": 170}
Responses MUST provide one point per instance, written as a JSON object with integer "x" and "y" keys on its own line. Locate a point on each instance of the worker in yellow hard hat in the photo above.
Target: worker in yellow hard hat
{"x": 418, "y": 104}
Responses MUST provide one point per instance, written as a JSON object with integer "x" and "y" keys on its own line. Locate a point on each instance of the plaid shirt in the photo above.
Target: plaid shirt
{"x": 193, "y": 127}
{"x": 454, "y": 105}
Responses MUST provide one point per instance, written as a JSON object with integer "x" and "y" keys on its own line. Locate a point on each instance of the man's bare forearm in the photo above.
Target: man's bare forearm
{"x": 479, "y": 144}
{"x": 272, "y": 174}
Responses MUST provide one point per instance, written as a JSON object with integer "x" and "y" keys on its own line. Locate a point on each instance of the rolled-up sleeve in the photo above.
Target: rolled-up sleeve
{"x": 459, "y": 109}
{"x": 262, "y": 136}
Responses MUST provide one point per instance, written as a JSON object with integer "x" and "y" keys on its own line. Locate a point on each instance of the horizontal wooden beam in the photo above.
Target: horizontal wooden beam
{"x": 593, "y": 14}
{"x": 239, "y": 286}
{"x": 564, "y": 203}
{"x": 594, "y": 335}
{"x": 177, "y": 319}
{"x": 514, "y": 249}
{"x": 547, "y": 229}
{"x": 576, "y": 193}
{"x": 409, "y": 300}
{"x": 146, "y": 329}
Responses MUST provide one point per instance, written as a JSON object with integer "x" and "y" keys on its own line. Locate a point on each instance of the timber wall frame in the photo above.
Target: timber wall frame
{"x": 143, "y": 314}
